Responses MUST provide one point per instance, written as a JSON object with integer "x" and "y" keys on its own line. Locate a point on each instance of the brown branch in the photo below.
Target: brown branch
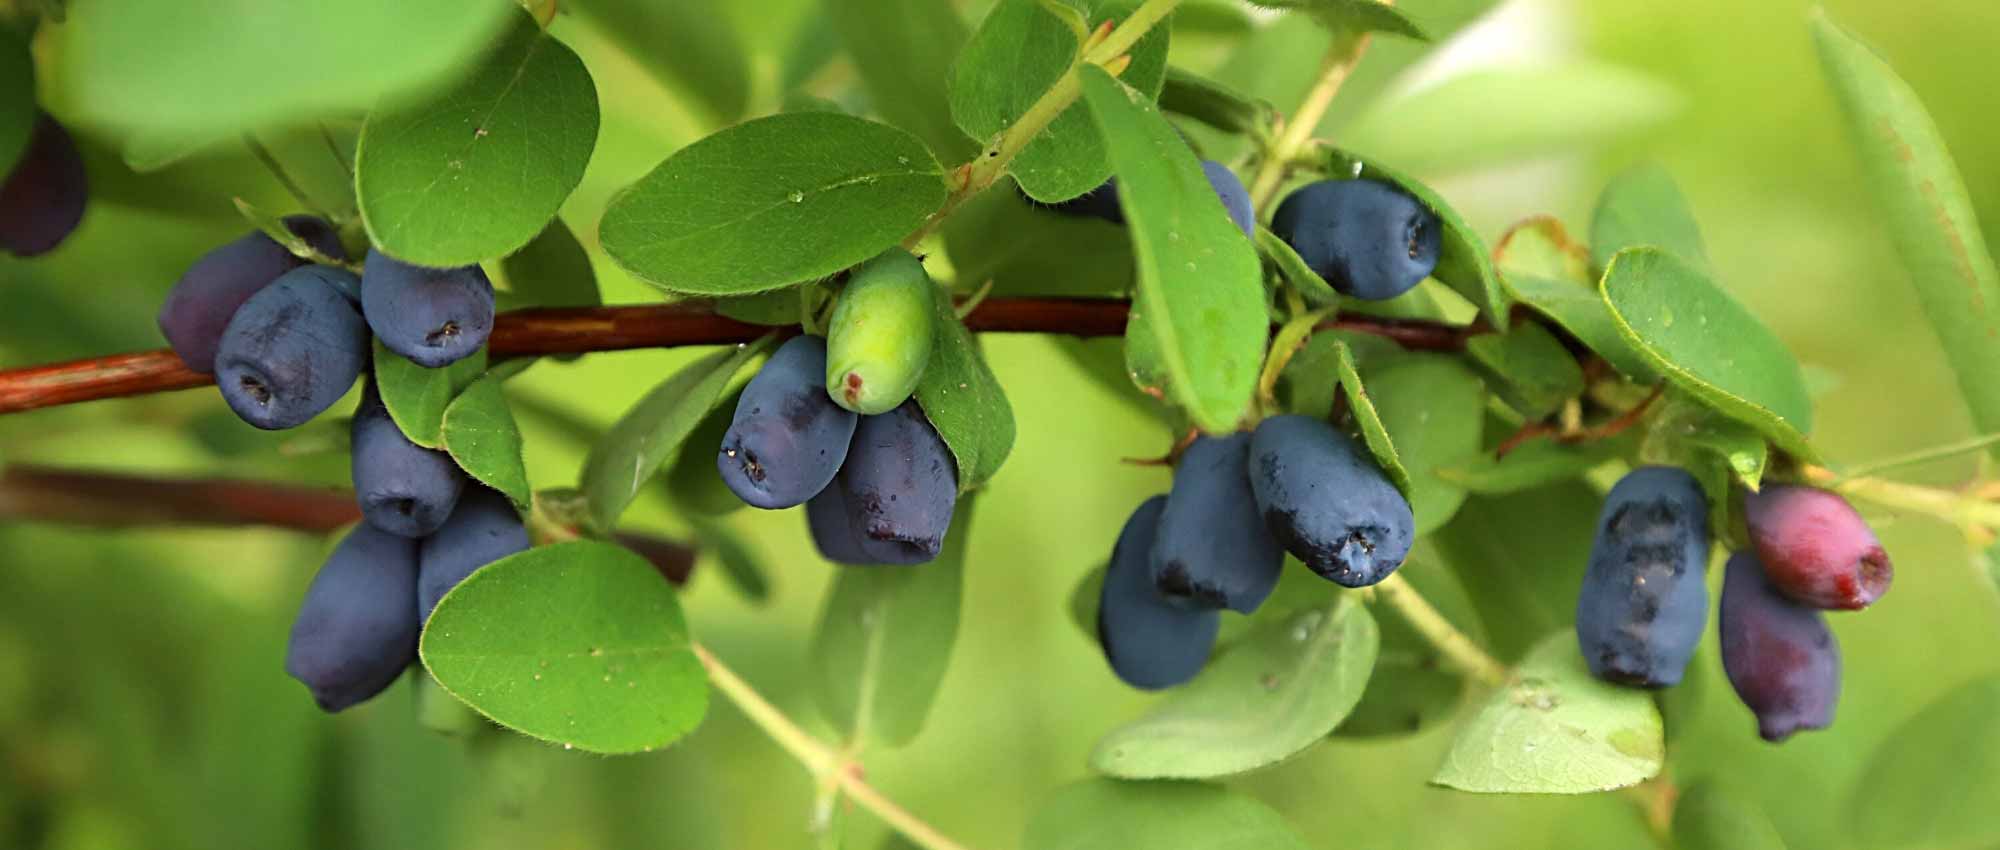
{"x": 524, "y": 333}
{"x": 121, "y": 500}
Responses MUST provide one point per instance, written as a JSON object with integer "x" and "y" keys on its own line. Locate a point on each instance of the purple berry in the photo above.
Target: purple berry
{"x": 1778, "y": 654}
{"x": 207, "y": 295}
{"x": 42, "y": 198}
{"x": 1816, "y": 549}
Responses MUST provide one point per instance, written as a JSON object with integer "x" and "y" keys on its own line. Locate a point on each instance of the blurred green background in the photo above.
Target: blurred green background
{"x": 142, "y": 697}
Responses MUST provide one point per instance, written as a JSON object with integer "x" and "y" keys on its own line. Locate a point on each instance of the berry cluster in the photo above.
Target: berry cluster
{"x": 1645, "y": 595}
{"x": 286, "y": 339}
{"x": 42, "y": 196}
{"x": 1239, "y": 502}
{"x": 831, "y": 423}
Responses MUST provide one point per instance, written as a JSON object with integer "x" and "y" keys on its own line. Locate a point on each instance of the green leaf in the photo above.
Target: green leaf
{"x": 1926, "y": 210}
{"x": 1901, "y": 799}
{"x": 18, "y": 112}
{"x": 632, "y": 451}
{"x": 417, "y": 397}
{"x": 242, "y": 67}
{"x": 1414, "y": 687}
{"x": 1200, "y": 287}
{"x": 1531, "y": 370}
{"x": 1084, "y": 599}
{"x": 475, "y": 171}
{"x": 1463, "y": 263}
{"x": 1352, "y": 17}
{"x": 775, "y": 308}
{"x": 965, "y": 402}
{"x": 1533, "y": 464}
{"x": 903, "y": 50}
{"x": 552, "y": 271}
{"x": 1303, "y": 387}
{"x": 1644, "y": 206}
{"x": 1556, "y": 730}
{"x": 1361, "y": 406}
{"x": 273, "y": 226}
{"x": 1708, "y": 345}
{"x": 580, "y": 644}
{"x": 690, "y": 46}
{"x": 693, "y": 483}
{"x": 740, "y": 566}
{"x": 1044, "y": 252}
{"x": 480, "y": 433}
{"x": 1524, "y": 585}
{"x": 1275, "y": 693}
{"x": 1213, "y": 103}
{"x": 1017, "y": 54}
{"x": 1109, "y": 814}
{"x": 1431, "y": 407}
{"x": 885, "y": 637}
{"x": 1292, "y": 269}
{"x": 705, "y": 220}
{"x": 1713, "y": 816}
{"x": 1541, "y": 267}
{"x": 1683, "y": 428}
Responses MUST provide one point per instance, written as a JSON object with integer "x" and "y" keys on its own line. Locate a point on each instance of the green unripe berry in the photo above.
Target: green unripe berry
{"x": 880, "y": 337}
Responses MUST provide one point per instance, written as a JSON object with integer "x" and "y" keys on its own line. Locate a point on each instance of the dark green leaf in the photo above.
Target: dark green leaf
{"x": 1534, "y": 464}
{"x": 417, "y": 397}
{"x": 776, "y": 308}
{"x": 1462, "y": 263}
{"x": 475, "y": 171}
{"x": 965, "y": 402}
{"x": 1275, "y": 693}
{"x": 1926, "y": 210}
{"x": 1352, "y": 16}
{"x": 1110, "y": 814}
{"x": 1643, "y": 206}
{"x": 1213, "y": 103}
{"x": 1713, "y": 816}
{"x": 157, "y": 66}
{"x": 1556, "y": 729}
{"x": 1292, "y": 269}
{"x": 904, "y": 49}
{"x": 1901, "y": 799}
{"x": 1708, "y": 345}
{"x": 885, "y": 638}
{"x": 1430, "y": 406}
{"x": 1531, "y": 370}
{"x": 480, "y": 433}
{"x": 690, "y": 46}
{"x": 552, "y": 271}
{"x": 1361, "y": 406}
{"x": 1542, "y": 268}
{"x": 1311, "y": 381}
{"x": 1413, "y": 686}
{"x": 1017, "y": 54}
{"x": 18, "y": 112}
{"x": 1683, "y": 428}
{"x": 1200, "y": 286}
{"x": 1043, "y": 252}
{"x": 705, "y": 220}
{"x": 1525, "y": 585}
{"x": 693, "y": 482}
{"x": 1084, "y": 599}
{"x": 578, "y": 643}
{"x": 654, "y": 429}
{"x": 739, "y": 565}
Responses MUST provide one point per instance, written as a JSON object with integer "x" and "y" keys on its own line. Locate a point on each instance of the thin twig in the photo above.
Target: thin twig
{"x": 1461, "y": 651}
{"x": 1299, "y": 126}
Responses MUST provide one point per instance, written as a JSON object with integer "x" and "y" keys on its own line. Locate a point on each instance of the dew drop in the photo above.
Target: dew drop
{"x": 797, "y": 197}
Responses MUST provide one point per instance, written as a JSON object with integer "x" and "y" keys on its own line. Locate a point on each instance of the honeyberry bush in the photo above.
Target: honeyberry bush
{"x": 972, "y": 688}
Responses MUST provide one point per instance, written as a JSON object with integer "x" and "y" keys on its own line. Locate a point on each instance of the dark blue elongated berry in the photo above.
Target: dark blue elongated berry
{"x": 901, "y": 486}
{"x": 1368, "y": 239}
{"x": 1643, "y": 601}
{"x": 432, "y": 316}
{"x": 1234, "y": 196}
{"x": 484, "y": 529}
{"x": 43, "y": 195}
{"x": 833, "y": 529}
{"x": 788, "y": 438}
{"x": 357, "y": 629}
{"x": 292, "y": 350}
{"x": 208, "y": 294}
{"x": 1213, "y": 549}
{"x": 1150, "y": 642}
{"x": 1779, "y": 655}
{"x": 1327, "y": 501}
{"x": 403, "y": 488}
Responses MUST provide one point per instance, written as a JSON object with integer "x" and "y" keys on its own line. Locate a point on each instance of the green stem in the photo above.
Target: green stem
{"x": 1458, "y": 649}
{"x": 1922, "y": 456}
{"x": 1341, "y": 57}
{"x": 822, "y": 760}
{"x": 1949, "y": 505}
{"x": 1284, "y": 346}
{"x": 992, "y": 163}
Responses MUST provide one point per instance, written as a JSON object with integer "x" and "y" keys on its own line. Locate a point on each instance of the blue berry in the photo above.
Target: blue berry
{"x": 1368, "y": 239}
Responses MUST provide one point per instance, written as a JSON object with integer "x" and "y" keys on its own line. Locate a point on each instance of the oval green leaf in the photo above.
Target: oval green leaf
{"x": 641, "y": 440}
{"x": 480, "y": 433}
{"x": 1018, "y": 53}
{"x": 579, "y": 643}
{"x": 693, "y": 47}
{"x": 1928, "y": 214}
{"x": 1556, "y": 730}
{"x": 1644, "y": 206}
{"x": 1463, "y": 263}
{"x": 476, "y": 170}
{"x": 1292, "y": 269}
{"x": 417, "y": 397}
{"x": 1200, "y": 285}
{"x": 552, "y": 271}
{"x": 885, "y": 638}
{"x": 1541, "y": 267}
{"x": 1110, "y": 814}
{"x": 1278, "y": 691}
{"x": 1902, "y": 801}
{"x": 1531, "y": 370}
{"x": 1523, "y": 585}
{"x": 903, "y": 50}
{"x": 965, "y": 402}
{"x": 1713, "y": 816}
{"x": 1430, "y": 407}
{"x": 1414, "y": 686}
{"x": 1708, "y": 345}
{"x": 706, "y": 220}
